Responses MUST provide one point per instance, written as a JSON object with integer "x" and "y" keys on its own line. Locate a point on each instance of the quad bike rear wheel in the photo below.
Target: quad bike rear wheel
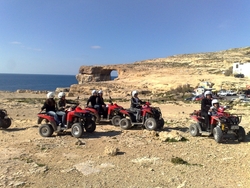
{"x": 115, "y": 120}
{"x": 125, "y": 123}
{"x": 90, "y": 126}
{"x": 46, "y": 130}
{"x": 150, "y": 124}
{"x": 194, "y": 130}
{"x": 218, "y": 135}
{"x": 5, "y": 122}
{"x": 77, "y": 130}
{"x": 241, "y": 134}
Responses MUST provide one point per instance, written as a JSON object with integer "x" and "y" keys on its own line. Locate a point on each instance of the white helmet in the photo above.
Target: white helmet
{"x": 207, "y": 93}
{"x": 214, "y": 101}
{"x": 61, "y": 94}
{"x": 100, "y": 92}
{"x": 50, "y": 95}
{"x": 93, "y": 92}
{"x": 134, "y": 92}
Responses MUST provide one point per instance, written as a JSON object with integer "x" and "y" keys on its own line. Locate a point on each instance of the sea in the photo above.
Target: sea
{"x": 36, "y": 82}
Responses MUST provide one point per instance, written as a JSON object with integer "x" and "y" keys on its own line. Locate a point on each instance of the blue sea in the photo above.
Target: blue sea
{"x": 41, "y": 82}
{"x": 36, "y": 82}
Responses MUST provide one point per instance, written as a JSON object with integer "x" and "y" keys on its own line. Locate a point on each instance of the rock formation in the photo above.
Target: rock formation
{"x": 161, "y": 74}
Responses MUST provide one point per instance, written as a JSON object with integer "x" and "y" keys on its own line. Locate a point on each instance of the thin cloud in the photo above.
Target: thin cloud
{"x": 34, "y": 49}
{"x": 15, "y": 42}
{"x": 95, "y": 47}
{"x": 224, "y": 25}
{"x": 37, "y": 49}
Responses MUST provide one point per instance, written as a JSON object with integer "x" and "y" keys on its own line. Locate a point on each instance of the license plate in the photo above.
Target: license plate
{"x": 234, "y": 127}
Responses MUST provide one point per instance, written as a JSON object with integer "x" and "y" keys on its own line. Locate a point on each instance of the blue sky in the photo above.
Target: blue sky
{"x": 58, "y": 36}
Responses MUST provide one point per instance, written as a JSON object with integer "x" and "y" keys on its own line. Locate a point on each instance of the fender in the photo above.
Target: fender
{"x": 44, "y": 116}
{"x": 93, "y": 110}
{"x": 80, "y": 110}
{"x": 146, "y": 111}
{"x": 49, "y": 118}
{"x": 123, "y": 111}
{"x": 194, "y": 118}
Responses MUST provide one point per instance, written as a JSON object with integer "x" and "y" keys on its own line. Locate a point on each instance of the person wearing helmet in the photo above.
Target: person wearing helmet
{"x": 100, "y": 103}
{"x": 206, "y": 103}
{"x": 215, "y": 106}
{"x": 62, "y": 106}
{"x": 136, "y": 105}
{"x": 62, "y": 103}
{"x": 50, "y": 106}
{"x": 92, "y": 99}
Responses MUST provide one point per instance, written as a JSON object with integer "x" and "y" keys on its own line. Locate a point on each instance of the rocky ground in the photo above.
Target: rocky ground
{"x": 111, "y": 157}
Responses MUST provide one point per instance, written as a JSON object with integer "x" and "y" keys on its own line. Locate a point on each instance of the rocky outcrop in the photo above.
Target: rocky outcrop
{"x": 161, "y": 74}
{"x": 97, "y": 73}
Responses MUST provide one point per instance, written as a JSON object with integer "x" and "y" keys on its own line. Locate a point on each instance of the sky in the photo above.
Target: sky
{"x": 59, "y": 36}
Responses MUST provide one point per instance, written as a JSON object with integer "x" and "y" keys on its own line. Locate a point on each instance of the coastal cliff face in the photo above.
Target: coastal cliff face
{"x": 162, "y": 74}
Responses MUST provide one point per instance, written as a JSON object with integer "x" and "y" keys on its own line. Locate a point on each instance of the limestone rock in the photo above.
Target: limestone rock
{"x": 173, "y": 135}
{"x": 111, "y": 150}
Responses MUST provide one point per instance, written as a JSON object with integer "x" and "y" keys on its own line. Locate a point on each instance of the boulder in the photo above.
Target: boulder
{"x": 170, "y": 136}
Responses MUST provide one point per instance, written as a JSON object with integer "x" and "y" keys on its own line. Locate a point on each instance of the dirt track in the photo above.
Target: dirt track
{"x": 29, "y": 160}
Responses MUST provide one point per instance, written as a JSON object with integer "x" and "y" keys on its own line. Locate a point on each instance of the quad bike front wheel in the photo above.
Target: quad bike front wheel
{"x": 77, "y": 130}
{"x": 241, "y": 134}
{"x": 150, "y": 124}
{"x": 194, "y": 130}
{"x": 125, "y": 123}
{"x": 218, "y": 135}
{"x": 5, "y": 122}
{"x": 46, "y": 130}
{"x": 90, "y": 126}
{"x": 160, "y": 123}
{"x": 115, "y": 120}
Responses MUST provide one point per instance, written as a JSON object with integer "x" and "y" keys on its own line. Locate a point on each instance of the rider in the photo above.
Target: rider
{"x": 136, "y": 105}
{"x": 50, "y": 106}
{"x": 92, "y": 99}
{"x": 62, "y": 106}
{"x": 63, "y": 101}
{"x": 101, "y": 104}
{"x": 215, "y": 106}
{"x": 206, "y": 103}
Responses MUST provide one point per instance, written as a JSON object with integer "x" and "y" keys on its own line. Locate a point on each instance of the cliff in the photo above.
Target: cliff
{"x": 162, "y": 74}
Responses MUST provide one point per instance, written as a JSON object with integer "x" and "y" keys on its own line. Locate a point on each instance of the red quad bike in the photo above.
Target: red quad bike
{"x": 113, "y": 113}
{"x": 77, "y": 120}
{"x": 223, "y": 124}
{"x": 151, "y": 118}
{"x": 5, "y": 121}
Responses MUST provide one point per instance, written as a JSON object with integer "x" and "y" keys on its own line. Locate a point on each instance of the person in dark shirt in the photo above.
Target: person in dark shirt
{"x": 206, "y": 103}
{"x": 136, "y": 105}
{"x": 101, "y": 104}
{"x": 50, "y": 106}
{"x": 92, "y": 99}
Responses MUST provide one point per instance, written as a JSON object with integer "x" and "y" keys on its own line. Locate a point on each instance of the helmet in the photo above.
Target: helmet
{"x": 61, "y": 94}
{"x": 207, "y": 93}
{"x": 50, "y": 95}
{"x": 93, "y": 92}
{"x": 215, "y": 101}
{"x": 100, "y": 92}
{"x": 134, "y": 92}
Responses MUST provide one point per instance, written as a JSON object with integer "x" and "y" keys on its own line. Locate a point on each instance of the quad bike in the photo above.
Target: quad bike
{"x": 5, "y": 121}
{"x": 77, "y": 120}
{"x": 150, "y": 118}
{"x": 112, "y": 113}
{"x": 222, "y": 124}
